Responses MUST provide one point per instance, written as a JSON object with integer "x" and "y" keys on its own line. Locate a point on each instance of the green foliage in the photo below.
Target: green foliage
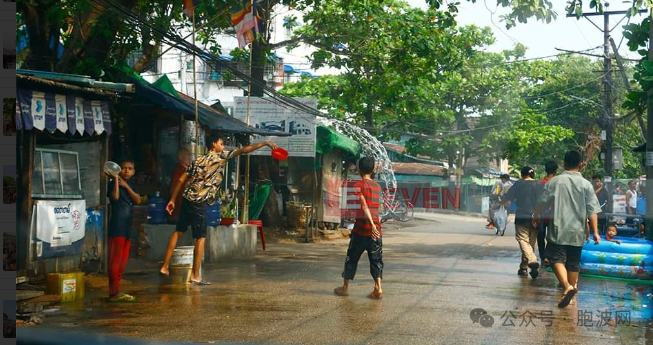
{"x": 522, "y": 10}
{"x": 96, "y": 39}
{"x": 392, "y": 55}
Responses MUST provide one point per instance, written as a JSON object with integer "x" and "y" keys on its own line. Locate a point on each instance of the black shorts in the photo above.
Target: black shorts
{"x": 561, "y": 254}
{"x": 192, "y": 214}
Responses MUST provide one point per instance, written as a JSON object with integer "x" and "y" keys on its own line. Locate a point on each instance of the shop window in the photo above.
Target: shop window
{"x": 56, "y": 175}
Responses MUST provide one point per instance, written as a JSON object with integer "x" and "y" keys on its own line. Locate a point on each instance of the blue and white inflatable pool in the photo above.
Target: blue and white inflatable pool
{"x": 632, "y": 259}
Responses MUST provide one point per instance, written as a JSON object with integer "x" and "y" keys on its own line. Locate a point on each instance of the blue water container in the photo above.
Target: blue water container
{"x": 213, "y": 214}
{"x": 641, "y": 205}
{"x": 156, "y": 210}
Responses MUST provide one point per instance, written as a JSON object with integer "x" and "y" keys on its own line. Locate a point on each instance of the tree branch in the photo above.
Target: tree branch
{"x": 285, "y": 43}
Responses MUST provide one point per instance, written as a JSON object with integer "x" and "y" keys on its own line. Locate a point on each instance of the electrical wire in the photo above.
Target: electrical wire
{"x": 274, "y": 96}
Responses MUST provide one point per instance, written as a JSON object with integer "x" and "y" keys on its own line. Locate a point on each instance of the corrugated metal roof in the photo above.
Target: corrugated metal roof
{"x": 418, "y": 169}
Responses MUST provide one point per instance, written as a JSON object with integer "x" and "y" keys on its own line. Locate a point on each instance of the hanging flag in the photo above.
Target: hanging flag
{"x": 189, "y": 7}
{"x": 245, "y": 20}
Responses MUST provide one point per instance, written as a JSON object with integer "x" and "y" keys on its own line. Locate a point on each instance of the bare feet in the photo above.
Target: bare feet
{"x": 341, "y": 291}
{"x": 164, "y": 272}
{"x": 375, "y": 295}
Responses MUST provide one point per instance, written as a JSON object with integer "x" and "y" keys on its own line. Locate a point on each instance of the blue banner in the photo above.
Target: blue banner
{"x": 63, "y": 113}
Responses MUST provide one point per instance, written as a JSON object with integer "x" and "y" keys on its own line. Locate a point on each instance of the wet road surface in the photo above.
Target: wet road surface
{"x": 436, "y": 272}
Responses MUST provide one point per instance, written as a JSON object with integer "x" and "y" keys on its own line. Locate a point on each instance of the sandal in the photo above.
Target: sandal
{"x": 566, "y": 298}
{"x": 124, "y": 298}
{"x": 199, "y": 283}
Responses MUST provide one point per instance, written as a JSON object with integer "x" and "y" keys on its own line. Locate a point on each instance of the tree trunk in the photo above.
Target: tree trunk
{"x": 149, "y": 53}
{"x": 41, "y": 57}
{"x": 92, "y": 38}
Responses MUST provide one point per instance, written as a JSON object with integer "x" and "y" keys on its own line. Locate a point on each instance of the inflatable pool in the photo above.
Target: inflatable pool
{"x": 632, "y": 259}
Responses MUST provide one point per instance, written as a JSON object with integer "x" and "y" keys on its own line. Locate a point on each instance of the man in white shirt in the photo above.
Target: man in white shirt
{"x": 631, "y": 198}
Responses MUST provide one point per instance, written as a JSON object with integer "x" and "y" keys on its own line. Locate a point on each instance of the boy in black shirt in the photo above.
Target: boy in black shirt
{"x": 123, "y": 197}
{"x": 525, "y": 193}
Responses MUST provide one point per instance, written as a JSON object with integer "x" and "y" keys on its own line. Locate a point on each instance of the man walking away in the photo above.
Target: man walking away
{"x": 574, "y": 201}
{"x": 499, "y": 189}
{"x": 551, "y": 169}
{"x": 602, "y": 196}
{"x": 525, "y": 193}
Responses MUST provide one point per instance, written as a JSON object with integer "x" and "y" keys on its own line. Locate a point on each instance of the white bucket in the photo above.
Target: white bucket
{"x": 182, "y": 256}
{"x": 181, "y": 265}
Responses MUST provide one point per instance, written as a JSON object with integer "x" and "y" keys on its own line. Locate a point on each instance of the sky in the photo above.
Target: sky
{"x": 542, "y": 38}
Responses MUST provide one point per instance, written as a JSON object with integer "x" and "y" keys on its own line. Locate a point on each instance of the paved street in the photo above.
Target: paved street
{"x": 437, "y": 271}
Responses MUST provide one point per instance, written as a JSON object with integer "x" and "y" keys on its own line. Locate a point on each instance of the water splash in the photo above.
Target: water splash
{"x": 370, "y": 146}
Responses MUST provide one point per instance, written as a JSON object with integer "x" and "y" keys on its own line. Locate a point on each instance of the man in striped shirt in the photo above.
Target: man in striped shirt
{"x": 366, "y": 234}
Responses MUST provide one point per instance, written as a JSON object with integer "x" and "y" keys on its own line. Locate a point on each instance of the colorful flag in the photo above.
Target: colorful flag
{"x": 246, "y": 22}
{"x": 189, "y": 7}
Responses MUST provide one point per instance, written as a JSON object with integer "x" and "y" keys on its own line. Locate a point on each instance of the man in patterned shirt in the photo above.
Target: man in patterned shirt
{"x": 204, "y": 177}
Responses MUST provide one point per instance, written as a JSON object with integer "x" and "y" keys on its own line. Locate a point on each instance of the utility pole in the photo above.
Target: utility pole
{"x": 606, "y": 122}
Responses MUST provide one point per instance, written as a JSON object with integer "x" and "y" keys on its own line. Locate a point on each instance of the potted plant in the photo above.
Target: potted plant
{"x": 228, "y": 210}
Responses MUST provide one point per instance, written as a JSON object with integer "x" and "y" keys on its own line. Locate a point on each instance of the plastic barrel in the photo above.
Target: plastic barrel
{"x": 156, "y": 210}
{"x": 213, "y": 214}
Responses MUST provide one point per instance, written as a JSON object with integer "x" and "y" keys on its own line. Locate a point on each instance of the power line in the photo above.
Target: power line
{"x": 192, "y": 49}
{"x": 495, "y": 25}
{"x": 275, "y": 97}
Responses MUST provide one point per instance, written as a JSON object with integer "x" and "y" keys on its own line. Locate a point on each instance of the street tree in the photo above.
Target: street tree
{"x": 391, "y": 55}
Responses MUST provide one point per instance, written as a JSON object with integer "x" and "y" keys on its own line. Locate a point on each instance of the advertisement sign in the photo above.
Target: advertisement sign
{"x": 265, "y": 113}
{"x": 59, "y": 224}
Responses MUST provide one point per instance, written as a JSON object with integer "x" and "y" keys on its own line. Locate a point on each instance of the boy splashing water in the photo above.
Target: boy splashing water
{"x": 123, "y": 198}
{"x": 366, "y": 234}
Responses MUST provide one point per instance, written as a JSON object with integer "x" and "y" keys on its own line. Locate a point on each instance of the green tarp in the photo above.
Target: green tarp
{"x": 257, "y": 200}
{"x": 165, "y": 84}
{"x": 328, "y": 140}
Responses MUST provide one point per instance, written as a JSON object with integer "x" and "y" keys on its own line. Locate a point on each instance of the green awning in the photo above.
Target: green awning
{"x": 328, "y": 140}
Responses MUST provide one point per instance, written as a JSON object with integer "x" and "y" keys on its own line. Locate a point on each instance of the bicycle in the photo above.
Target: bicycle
{"x": 394, "y": 208}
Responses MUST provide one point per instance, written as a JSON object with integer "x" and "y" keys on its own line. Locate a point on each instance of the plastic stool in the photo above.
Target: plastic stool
{"x": 259, "y": 225}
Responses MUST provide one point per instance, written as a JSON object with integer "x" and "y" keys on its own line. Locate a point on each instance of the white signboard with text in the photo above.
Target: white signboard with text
{"x": 60, "y": 222}
{"x": 265, "y": 113}
{"x": 619, "y": 204}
